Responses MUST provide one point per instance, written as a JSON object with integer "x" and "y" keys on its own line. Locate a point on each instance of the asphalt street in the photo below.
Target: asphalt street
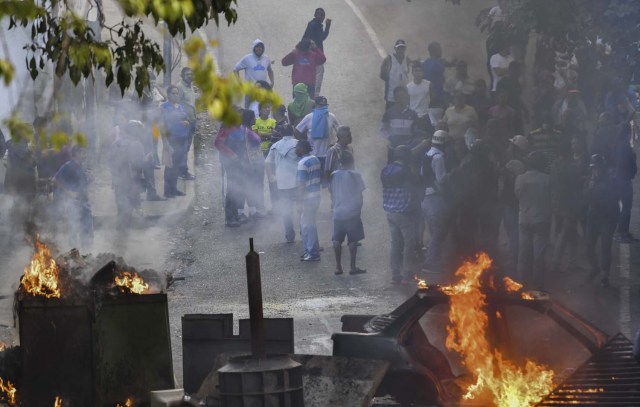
{"x": 210, "y": 257}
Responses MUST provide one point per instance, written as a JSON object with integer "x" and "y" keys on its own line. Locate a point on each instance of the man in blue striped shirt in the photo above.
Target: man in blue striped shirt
{"x": 309, "y": 183}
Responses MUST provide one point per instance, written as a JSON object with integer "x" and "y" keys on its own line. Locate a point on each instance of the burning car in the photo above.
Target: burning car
{"x": 479, "y": 365}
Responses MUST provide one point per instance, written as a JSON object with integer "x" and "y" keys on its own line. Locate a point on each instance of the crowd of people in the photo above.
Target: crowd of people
{"x": 467, "y": 160}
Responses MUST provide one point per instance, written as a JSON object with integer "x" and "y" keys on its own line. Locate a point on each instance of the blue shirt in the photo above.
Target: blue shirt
{"x": 434, "y": 73}
{"x": 310, "y": 175}
{"x": 174, "y": 116}
{"x": 346, "y": 194}
{"x": 397, "y": 191}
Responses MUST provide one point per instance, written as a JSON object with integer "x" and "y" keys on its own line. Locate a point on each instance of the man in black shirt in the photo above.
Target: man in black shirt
{"x": 317, "y": 33}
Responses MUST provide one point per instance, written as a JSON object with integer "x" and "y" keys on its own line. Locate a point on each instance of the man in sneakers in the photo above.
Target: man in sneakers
{"x": 346, "y": 204}
{"x": 282, "y": 165}
{"x": 398, "y": 201}
{"x": 436, "y": 211}
{"x": 309, "y": 183}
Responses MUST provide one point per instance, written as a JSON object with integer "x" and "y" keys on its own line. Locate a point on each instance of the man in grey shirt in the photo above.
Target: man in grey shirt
{"x": 533, "y": 192}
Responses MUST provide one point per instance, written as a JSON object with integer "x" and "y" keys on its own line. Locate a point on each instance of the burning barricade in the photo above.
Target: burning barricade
{"x": 93, "y": 331}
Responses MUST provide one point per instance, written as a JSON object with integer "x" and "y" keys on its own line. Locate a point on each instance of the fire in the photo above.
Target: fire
{"x": 422, "y": 284}
{"x": 57, "y": 402}
{"x": 41, "y": 276}
{"x": 8, "y": 390}
{"x": 132, "y": 282}
{"x": 513, "y": 287}
{"x": 127, "y": 403}
{"x": 498, "y": 381}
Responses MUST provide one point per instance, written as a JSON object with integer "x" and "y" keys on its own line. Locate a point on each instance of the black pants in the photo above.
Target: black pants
{"x": 599, "y": 227}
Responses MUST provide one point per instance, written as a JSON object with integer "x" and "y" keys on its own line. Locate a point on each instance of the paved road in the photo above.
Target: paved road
{"x": 211, "y": 257}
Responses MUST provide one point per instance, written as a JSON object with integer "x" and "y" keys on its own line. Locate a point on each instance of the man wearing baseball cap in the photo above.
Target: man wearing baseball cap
{"x": 394, "y": 71}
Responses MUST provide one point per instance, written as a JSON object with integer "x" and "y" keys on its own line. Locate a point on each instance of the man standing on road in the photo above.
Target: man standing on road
{"x": 305, "y": 58}
{"x": 420, "y": 97}
{"x": 499, "y": 64}
{"x": 316, "y": 33}
{"x": 333, "y": 154}
{"x": 188, "y": 101}
{"x": 398, "y": 190}
{"x": 394, "y": 71}
{"x": 176, "y": 140}
{"x": 436, "y": 210}
{"x": 282, "y": 165}
{"x": 346, "y": 204}
{"x": 318, "y": 128}
{"x": 309, "y": 182}
{"x": 256, "y": 66}
{"x": 72, "y": 183}
{"x": 533, "y": 189}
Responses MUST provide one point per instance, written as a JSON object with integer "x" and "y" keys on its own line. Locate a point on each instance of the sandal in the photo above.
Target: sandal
{"x": 357, "y": 271}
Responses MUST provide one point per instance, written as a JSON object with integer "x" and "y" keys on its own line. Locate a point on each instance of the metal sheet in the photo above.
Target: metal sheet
{"x": 56, "y": 346}
{"x": 133, "y": 348}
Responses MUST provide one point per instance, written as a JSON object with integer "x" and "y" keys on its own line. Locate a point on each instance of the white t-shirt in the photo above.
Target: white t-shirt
{"x": 320, "y": 146}
{"x": 255, "y": 69}
{"x": 419, "y": 97}
{"x": 498, "y": 61}
{"x": 496, "y": 14}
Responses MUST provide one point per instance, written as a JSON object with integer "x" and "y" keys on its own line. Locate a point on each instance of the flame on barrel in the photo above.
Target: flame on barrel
{"x": 131, "y": 282}
{"x": 40, "y": 278}
{"x": 8, "y": 391}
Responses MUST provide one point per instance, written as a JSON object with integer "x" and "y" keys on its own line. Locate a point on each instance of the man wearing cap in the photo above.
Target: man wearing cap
{"x": 316, "y": 33}
{"x": 319, "y": 128}
{"x": 394, "y": 71}
{"x": 436, "y": 211}
{"x": 533, "y": 190}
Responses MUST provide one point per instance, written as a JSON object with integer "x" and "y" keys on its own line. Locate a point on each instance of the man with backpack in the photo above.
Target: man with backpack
{"x": 394, "y": 71}
{"x": 318, "y": 127}
{"x": 436, "y": 210}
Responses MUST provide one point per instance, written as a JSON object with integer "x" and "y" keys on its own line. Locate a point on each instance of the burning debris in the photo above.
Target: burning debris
{"x": 67, "y": 275}
{"x": 86, "y": 336}
{"x": 8, "y": 392}
{"x": 498, "y": 381}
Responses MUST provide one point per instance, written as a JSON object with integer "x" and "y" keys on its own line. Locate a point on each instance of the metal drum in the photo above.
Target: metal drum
{"x": 275, "y": 381}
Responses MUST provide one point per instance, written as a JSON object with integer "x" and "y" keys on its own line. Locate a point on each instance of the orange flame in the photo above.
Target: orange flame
{"x": 8, "y": 390}
{"x": 41, "y": 276}
{"x": 127, "y": 403}
{"x": 422, "y": 284}
{"x": 498, "y": 381}
{"x": 511, "y": 286}
{"x": 132, "y": 282}
{"x": 57, "y": 402}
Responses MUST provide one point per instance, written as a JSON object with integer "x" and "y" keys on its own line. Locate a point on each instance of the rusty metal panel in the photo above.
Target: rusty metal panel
{"x": 205, "y": 336}
{"x": 56, "y": 347}
{"x": 133, "y": 348}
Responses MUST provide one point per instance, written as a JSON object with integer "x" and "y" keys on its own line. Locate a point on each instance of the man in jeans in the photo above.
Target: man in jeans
{"x": 533, "y": 190}
{"x": 309, "y": 183}
{"x": 398, "y": 201}
{"x": 282, "y": 164}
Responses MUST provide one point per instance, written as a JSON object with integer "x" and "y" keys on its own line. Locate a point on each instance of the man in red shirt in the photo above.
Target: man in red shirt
{"x": 304, "y": 58}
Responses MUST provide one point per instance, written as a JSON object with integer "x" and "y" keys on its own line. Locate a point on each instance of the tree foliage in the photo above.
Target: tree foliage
{"x": 125, "y": 56}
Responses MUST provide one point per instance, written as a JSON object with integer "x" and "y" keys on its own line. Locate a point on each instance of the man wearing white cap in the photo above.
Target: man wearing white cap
{"x": 436, "y": 211}
{"x": 394, "y": 71}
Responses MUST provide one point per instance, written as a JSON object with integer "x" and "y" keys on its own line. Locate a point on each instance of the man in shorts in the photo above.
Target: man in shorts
{"x": 346, "y": 202}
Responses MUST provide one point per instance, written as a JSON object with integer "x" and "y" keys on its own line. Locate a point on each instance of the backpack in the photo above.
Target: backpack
{"x": 319, "y": 123}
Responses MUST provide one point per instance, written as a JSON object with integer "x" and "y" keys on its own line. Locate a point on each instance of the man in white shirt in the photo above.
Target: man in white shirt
{"x": 319, "y": 142}
{"x": 282, "y": 165}
{"x": 420, "y": 91}
{"x": 500, "y": 65}
{"x": 256, "y": 65}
